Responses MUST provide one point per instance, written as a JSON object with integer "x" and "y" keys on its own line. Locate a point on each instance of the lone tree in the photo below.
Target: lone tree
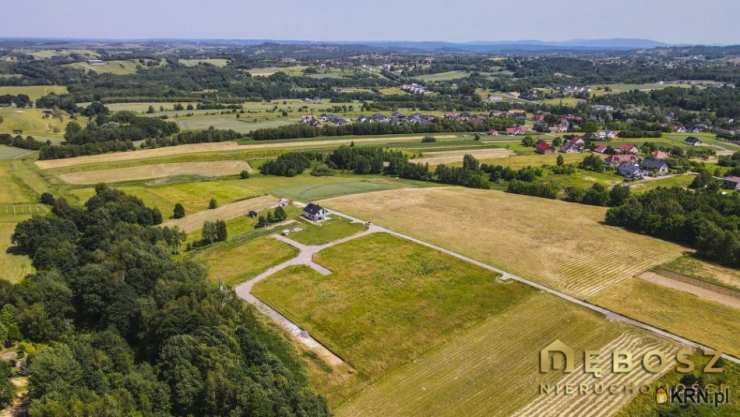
{"x": 280, "y": 214}
{"x": 212, "y": 204}
{"x": 47, "y": 198}
{"x": 222, "y": 232}
{"x": 244, "y": 175}
{"x": 178, "y": 212}
{"x": 560, "y": 160}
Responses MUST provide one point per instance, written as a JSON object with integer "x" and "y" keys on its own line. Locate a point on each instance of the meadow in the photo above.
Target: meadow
{"x": 562, "y": 245}
{"x": 35, "y": 122}
{"x": 217, "y": 62}
{"x": 195, "y": 221}
{"x": 387, "y": 300}
{"x": 34, "y": 92}
{"x": 115, "y": 67}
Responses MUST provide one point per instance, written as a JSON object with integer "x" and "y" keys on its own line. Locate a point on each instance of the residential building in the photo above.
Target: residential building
{"x": 314, "y": 212}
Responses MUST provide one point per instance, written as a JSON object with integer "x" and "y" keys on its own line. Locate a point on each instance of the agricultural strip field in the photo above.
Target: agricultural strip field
{"x": 221, "y": 146}
{"x": 562, "y": 245}
{"x": 34, "y": 92}
{"x": 145, "y": 172}
{"x": 488, "y": 370}
{"x": 387, "y": 300}
{"x": 447, "y": 157}
{"x": 226, "y": 212}
{"x": 712, "y": 324}
{"x": 235, "y": 262}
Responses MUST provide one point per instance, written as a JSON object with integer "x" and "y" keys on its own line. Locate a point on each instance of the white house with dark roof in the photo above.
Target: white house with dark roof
{"x": 315, "y": 212}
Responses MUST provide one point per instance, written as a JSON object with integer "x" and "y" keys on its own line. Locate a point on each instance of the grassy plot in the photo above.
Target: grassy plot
{"x": 34, "y": 92}
{"x": 679, "y": 312}
{"x": 295, "y": 70}
{"x": 243, "y": 124}
{"x": 698, "y": 269}
{"x": 681, "y": 181}
{"x": 489, "y": 370}
{"x": 563, "y": 245}
{"x": 10, "y": 152}
{"x": 535, "y": 160}
{"x": 12, "y": 267}
{"x": 452, "y": 157}
{"x": 34, "y": 122}
{"x": 116, "y": 67}
{"x": 388, "y": 300}
{"x": 328, "y": 231}
{"x": 194, "y": 196}
{"x": 235, "y": 262}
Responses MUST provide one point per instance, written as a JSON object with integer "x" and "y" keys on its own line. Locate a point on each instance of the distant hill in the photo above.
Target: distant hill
{"x": 523, "y": 45}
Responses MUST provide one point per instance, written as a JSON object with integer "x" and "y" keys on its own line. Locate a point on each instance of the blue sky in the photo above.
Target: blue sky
{"x": 676, "y": 21}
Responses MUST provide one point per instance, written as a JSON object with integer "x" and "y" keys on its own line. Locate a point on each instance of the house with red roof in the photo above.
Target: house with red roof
{"x": 516, "y": 131}
{"x": 601, "y": 149}
{"x": 619, "y": 159}
{"x": 660, "y": 155}
{"x": 628, "y": 148}
{"x": 543, "y": 147}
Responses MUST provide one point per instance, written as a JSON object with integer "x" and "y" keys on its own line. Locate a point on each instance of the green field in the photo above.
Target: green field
{"x": 681, "y": 181}
{"x": 235, "y": 262}
{"x": 217, "y": 62}
{"x": 33, "y": 91}
{"x": 10, "y": 152}
{"x": 244, "y": 124}
{"x": 326, "y": 232}
{"x": 295, "y": 70}
{"x": 443, "y": 76}
{"x": 116, "y": 67}
{"x": 35, "y": 122}
{"x": 12, "y": 267}
{"x": 194, "y": 196}
{"x": 388, "y": 300}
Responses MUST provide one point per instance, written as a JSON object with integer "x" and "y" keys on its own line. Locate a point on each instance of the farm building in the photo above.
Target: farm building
{"x": 314, "y": 212}
{"x": 655, "y": 167}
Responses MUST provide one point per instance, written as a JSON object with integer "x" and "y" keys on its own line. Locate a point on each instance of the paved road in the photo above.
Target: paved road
{"x": 611, "y": 315}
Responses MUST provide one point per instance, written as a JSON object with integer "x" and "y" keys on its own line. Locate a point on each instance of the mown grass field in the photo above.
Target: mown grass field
{"x": 327, "y": 231}
{"x": 682, "y": 313}
{"x": 10, "y": 152}
{"x": 244, "y": 124}
{"x": 145, "y": 172}
{"x": 681, "y": 181}
{"x": 488, "y": 370}
{"x": 563, "y": 245}
{"x": 295, "y": 70}
{"x": 236, "y": 261}
{"x": 33, "y": 122}
{"x": 34, "y": 92}
{"x": 534, "y": 160}
{"x": 387, "y": 300}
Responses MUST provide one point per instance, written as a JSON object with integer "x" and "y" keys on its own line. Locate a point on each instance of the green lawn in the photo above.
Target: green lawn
{"x": 235, "y": 262}
{"x": 681, "y": 181}
{"x": 328, "y": 231}
{"x": 388, "y": 300}
{"x": 218, "y": 62}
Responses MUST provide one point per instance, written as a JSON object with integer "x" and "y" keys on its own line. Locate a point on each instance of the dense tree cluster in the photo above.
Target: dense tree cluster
{"x": 196, "y": 136}
{"x": 70, "y": 151}
{"x": 20, "y": 100}
{"x": 290, "y": 164}
{"x": 545, "y": 190}
{"x": 704, "y": 219}
{"x": 19, "y": 142}
{"x": 121, "y": 126}
{"x": 371, "y": 128}
{"x": 131, "y": 330}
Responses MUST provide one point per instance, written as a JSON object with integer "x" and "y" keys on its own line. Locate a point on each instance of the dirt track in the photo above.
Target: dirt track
{"x": 699, "y": 291}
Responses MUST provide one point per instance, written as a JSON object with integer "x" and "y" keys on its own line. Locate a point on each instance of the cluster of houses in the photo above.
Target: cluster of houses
{"x": 414, "y": 88}
{"x": 312, "y": 120}
{"x": 397, "y": 119}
